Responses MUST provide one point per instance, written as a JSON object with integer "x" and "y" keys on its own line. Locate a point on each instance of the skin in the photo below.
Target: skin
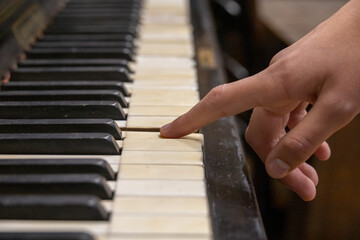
{"x": 321, "y": 69}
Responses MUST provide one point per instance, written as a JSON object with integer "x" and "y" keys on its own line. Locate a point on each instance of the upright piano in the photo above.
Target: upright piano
{"x": 86, "y": 86}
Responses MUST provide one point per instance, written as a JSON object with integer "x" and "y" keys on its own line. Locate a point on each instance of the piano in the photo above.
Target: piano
{"x": 86, "y": 86}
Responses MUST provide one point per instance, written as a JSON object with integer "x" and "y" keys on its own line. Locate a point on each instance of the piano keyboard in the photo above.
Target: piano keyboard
{"x": 81, "y": 156}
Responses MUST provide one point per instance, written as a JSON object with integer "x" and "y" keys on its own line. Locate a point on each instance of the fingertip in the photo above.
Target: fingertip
{"x": 323, "y": 153}
{"x": 164, "y": 130}
{"x": 301, "y": 184}
{"x": 309, "y": 196}
{"x": 277, "y": 168}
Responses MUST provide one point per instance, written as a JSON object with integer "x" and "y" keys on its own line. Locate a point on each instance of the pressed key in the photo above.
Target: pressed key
{"x": 45, "y": 236}
{"x": 64, "y": 85}
{"x": 60, "y": 126}
{"x": 64, "y": 95}
{"x": 87, "y": 37}
{"x": 61, "y": 109}
{"x": 60, "y": 165}
{"x": 47, "y": 207}
{"x": 58, "y": 143}
{"x": 46, "y": 184}
{"x": 57, "y": 53}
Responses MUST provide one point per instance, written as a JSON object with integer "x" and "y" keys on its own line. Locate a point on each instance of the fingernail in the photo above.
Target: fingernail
{"x": 165, "y": 127}
{"x": 277, "y": 168}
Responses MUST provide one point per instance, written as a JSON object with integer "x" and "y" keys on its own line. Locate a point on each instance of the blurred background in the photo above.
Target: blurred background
{"x": 250, "y": 33}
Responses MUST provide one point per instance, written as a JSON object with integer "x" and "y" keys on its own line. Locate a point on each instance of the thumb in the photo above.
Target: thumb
{"x": 326, "y": 117}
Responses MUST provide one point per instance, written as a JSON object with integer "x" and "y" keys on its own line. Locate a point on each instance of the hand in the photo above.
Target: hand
{"x": 323, "y": 69}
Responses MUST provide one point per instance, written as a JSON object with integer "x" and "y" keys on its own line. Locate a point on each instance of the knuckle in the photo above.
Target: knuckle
{"x": 216, "y": 94}
{"x": 298, "y": 147}
{"x": 283, "y": 68}
{"x": 343, "y": 109}
{"x": 214, "y": 99}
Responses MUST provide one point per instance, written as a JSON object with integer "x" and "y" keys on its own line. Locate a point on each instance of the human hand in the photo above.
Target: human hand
{"x": 323, "y": 69}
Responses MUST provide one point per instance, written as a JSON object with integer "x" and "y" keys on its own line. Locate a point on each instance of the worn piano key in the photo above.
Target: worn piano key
{"x": 60, "y": 126}
{"x": 181, "y": 225}
{"x": 93, "y": 227}
{"x": 161, "y": 188}
{"x": 93, "y": 29}
{"x": 151, "y": 141}
{"x": 61, "y": 109}
{"x": 147, "y": 123}
{"x": 45, "y": 236}
{"x": 71, "y": 73}
{"x": 47, "y": 207}
{"x": 87, "y": 37}
{"x": 96, "y": 44}
{"x": 59, "y": 165}
{"x": 161, "y": 157}
{"x": 184, "y": 206}
{"x": 124, "y": 53}
{"x": 64, "y": 95}
{"x": 65, "y": 85}
{"x": 113, "y": 160}
{"x": 161, "y": 172}
{"x": 157, "y": 97}
{"x": 58, "y": 143}
{"x": 161, "y": 111}
{"x": 45, "y": 184}
{"x": 74, "y": 62}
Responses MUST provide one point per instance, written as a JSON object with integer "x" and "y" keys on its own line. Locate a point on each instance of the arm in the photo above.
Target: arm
{"x": 323, "y": 69}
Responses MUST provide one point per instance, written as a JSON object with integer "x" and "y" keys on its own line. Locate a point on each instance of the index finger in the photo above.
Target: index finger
{"x": 225, "y": 100}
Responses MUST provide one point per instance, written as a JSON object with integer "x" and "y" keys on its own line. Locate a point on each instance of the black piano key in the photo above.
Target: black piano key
{"x": 64, "y": 95}
{"x": 45, "y": 236}
{"x": 88, "y": 44}
{"x": 92, "y": 29}
{"x": 46, "y": 207}
{"x": 46, "y": 184}
{"x": 70, "y": 73}
{"x": 58, "y": 143}
{"x": 87, "y": 37}
{"x": 125, "y": 16}
{"x": 37, "y": 53}
{"x": 60, "y": 166}
{"x": 82, "y": 62}
{"x": 61, "y": 109}
{"x": 64, "y": 85}
{"x": 60, "y": 126}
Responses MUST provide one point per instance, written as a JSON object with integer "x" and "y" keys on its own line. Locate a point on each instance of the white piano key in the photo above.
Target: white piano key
{"x": 175, "y": 206}
{"x": 160, "y": 225}
{"x": 159, "y": 111}
{"x": 141, "y": 142}
{"x": 169, "y": 188}
{"x": 166, "y": 172}
{"x": 147, "y": 122}
{"x": 92, "y": 227}
{"x": 167, "y": 158}
{"x": 152, "y": 237}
